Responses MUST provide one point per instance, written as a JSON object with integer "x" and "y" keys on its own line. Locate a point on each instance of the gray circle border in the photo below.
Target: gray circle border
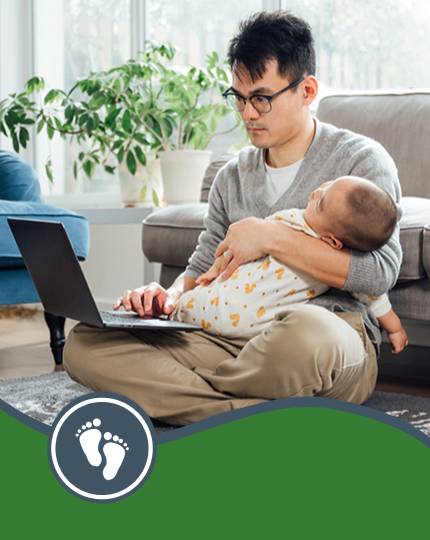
{"x": 118, "y": 397}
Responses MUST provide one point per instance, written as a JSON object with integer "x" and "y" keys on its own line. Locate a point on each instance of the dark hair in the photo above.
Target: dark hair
{"x": 372, "y": 217}
{"x": 269, "y": 36}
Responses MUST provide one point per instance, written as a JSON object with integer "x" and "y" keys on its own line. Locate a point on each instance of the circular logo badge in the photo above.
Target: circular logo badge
{"x": 101, "y": 446}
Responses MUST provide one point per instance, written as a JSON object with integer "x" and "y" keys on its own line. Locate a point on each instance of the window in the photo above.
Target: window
{"x": 375, "y": 45}
{"x": 83, "y": 36}
{"x": 370, "y": 44}
{"x": 88, "y": 35}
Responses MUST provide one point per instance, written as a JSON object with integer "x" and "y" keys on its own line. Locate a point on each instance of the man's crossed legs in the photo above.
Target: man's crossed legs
{"x": 183, "y": 377}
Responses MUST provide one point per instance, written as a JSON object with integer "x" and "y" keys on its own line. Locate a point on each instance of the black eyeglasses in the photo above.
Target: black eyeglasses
{"x": 260, "y": 102}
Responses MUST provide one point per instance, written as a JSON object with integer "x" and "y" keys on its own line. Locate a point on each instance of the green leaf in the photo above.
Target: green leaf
{"x": 40, "y": 125}
{"x": 75, "y": 169}
{"x": 58, "y": 124}
{"x": 27, "y": 121}
{"x": 3, "y": 129}
{"x": 51, "y": 96}
{"x": 143, "y": 194}
{"x": 155, "y": 198}
{"x": 24, "y": 137}
{"x": 140, "y": 155}
{"x": 131, "y": 162}
{"x": 97, "y": 101}
{"x": 126, "y": 122}
{"x": 50, "y": 131}
{"x": 89, "y": 126}
{"x": 89, "y": 168}
{"x": 34, "y": 85}
{"x": 48, "y": 169}
{"x": 120, "y": 155}
{"x": 109, "y": 169}
{"x": 15, "y": 142}
{"x": 111, "y": 117}
{"x": 83, "y": 118}
{"x": 141, "y": 138}
{"x": 117, "y": 144}
{"x": 69, "y": 113}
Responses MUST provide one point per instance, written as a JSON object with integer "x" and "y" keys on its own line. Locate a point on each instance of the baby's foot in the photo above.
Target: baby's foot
{"x": 114, "y": 452}
{"x": 89, "y": 438}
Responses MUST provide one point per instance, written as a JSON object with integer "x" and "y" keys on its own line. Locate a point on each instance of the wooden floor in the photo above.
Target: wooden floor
{"x": 24, "y": 352}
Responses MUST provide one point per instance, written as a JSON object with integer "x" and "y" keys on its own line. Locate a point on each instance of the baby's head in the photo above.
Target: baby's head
{"x": 352, "y": 211}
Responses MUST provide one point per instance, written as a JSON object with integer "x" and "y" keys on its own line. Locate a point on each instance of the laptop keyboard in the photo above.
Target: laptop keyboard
{"x": 124, "y": 317}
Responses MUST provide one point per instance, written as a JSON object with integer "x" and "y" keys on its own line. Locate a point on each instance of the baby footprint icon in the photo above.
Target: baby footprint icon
{"x": 114, "y": 452}
{"x": 89, "y": 438}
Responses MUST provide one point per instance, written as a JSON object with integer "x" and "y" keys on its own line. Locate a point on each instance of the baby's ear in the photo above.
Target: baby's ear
{"x": 332, "y": 241}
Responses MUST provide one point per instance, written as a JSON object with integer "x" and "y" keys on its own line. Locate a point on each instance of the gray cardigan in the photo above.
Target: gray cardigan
{"x": 237, "y": 192}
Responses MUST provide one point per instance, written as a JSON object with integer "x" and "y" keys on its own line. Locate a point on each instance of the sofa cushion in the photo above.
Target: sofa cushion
{"x": 412, "y": 300}
{"x": 18, "y": 180}
{"x": 415, "y": 238}
{"x": 210, "y": 174}
{"x": 171, "y": 234}
{"x": 398, "y": 119}
{"x": 76, "y": 227}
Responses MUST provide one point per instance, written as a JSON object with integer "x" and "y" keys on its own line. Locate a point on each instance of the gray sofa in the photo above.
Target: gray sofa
{"x": 400, "y": 120}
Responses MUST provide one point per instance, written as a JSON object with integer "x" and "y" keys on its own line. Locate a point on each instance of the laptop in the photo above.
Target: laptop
{"x": 61, "y": 284}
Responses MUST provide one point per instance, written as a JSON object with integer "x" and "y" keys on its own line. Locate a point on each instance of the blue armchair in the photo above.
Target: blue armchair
{"x": 20, "y": 197}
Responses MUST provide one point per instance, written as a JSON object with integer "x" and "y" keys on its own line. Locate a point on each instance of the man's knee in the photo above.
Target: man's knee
{"x": 308, "y": 330}
{"x": 308, "y": 348}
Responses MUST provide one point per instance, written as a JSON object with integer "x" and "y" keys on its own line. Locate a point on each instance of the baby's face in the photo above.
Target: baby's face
{"x": 326, "y": 204}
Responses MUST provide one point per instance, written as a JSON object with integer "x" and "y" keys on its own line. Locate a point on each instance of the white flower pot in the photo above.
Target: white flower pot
{"x": 182, "y": 172}
{"x": 132, "y": 186}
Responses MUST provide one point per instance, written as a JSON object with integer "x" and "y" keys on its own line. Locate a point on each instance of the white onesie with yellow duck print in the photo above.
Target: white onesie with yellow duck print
{"x": 248, "y": 301}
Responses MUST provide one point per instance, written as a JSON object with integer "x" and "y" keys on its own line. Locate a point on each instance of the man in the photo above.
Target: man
{"x": 327, "y": 347}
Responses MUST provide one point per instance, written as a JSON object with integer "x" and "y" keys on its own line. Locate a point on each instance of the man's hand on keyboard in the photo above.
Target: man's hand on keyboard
{"x": 150, "y": 300}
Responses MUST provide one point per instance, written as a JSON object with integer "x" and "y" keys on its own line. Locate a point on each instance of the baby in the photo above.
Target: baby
{"x": 348, "y": 211}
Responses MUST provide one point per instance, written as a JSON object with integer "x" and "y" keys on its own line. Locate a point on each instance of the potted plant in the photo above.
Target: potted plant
{"x": 124, "y": 118}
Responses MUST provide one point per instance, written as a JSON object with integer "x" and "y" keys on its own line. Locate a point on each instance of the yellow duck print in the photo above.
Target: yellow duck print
{"x": 190, "y": 304}
{"x": 235, "y": 274}
{"x": 310, "y": 293}
{"x": 235, "y": 318}
{"x": 249, "y": 287}
{"x": 280, "y": 272}
{"x": 265, "y": 264}
{"x": 215, "y": 301}
{"x": 261, "y": 311}
{"x": 291, "y": 293}
{"x": 205, "y": 324}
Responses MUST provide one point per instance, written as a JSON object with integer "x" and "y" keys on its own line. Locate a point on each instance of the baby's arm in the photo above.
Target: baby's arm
{"x": 391, "y": 323}
{"x": 380, "y": 306}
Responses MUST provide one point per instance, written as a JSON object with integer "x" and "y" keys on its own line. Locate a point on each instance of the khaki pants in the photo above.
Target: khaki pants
{"x": 183, "y": 377}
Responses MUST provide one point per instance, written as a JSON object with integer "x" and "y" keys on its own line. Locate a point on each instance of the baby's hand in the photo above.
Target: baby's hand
{"x": 214, "y": 271}
{"x": 398, "y": 340}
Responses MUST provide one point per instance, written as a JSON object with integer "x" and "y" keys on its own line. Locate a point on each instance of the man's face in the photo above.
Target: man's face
{"x": 288, "y": 114}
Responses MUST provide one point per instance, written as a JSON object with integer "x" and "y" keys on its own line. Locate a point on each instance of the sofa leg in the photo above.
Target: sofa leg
{"x": 57, "y": 338}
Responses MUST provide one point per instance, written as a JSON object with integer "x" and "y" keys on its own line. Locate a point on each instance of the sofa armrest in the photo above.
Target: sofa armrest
{"x": 170, "y": 235}
{"x": 415, "y": 239}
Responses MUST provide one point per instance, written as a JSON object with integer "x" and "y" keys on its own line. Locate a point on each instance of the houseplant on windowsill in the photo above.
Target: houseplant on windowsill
{"x": 126, "y": 117}
{"x": 186, "y": 115}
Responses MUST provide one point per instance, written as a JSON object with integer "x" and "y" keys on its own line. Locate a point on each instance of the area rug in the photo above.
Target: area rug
{"x": 43, "y": 397}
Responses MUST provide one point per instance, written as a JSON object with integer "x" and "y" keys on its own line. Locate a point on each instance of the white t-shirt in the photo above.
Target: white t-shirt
{"x": 278, "y": 180}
